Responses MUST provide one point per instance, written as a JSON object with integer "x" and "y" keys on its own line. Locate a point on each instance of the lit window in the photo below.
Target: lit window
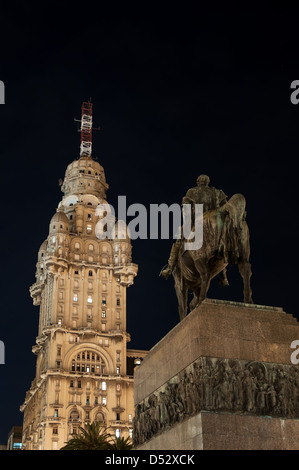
{"x": 89, "y": 299}
{"x": 118, "y": 387}
{"x": 89, "y": 228}
{"x": 75, "y": 298}
{"x": 17, "y": 445}
{"x": 117, "y": 433}
{"x": 103, "y": 313}
{"x": 130, "y": 418}
{"x": 104, "y": 401}
{"x": 104, "y": 386}
{"x": 131, "y": 433}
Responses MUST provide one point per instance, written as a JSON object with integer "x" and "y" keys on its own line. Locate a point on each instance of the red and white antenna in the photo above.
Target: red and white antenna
{"x": 86, "y": 130}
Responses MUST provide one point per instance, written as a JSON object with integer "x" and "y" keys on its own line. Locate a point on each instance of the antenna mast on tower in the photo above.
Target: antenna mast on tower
{"x": 86, "y": 129}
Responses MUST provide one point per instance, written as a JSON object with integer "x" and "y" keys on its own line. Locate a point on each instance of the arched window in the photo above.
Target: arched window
{"x": 74, "y": 416}
{"x": 88, "y": 362}
{"x": 100, "y": 417}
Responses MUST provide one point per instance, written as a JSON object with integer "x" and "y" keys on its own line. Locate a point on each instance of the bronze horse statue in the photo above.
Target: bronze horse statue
{"x": 225, "y": 241}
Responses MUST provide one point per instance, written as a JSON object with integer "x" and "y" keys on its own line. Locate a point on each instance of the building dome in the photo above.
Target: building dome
{"x": 60, "y": 216}
{"x": 44, "y": 246}
{"x": 43, "y": 249}
{"x": 59, "y": 222}
{"x": 85, "y": 176}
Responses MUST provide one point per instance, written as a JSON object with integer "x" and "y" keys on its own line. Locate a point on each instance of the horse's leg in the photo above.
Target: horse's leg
{"x": 222, "y": 278}
{"x": 183, "y": 302}
{"x": 245, "y": 271}
{"x": 204, "y": 278}
{"x": 181, "y": 292}
{"x": 195, "y": 301}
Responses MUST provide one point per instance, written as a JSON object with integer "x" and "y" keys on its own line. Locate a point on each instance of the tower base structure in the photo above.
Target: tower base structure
{"x": 224, "y": 378}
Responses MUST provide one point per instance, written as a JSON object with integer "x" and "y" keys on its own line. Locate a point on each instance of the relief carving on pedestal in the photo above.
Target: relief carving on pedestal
{"x": 222, "y": 385}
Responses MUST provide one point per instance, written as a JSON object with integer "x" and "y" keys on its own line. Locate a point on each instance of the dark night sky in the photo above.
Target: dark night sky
{"x": 177, "y": 92}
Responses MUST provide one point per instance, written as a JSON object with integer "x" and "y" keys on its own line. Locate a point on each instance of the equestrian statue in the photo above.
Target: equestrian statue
{"x": 225, "y": 242}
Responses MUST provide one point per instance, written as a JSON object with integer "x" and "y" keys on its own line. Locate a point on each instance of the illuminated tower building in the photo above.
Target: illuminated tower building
{"x": 84, "y": 371}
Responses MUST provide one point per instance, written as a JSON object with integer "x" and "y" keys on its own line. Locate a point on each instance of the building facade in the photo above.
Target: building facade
{"x": 84, "y": 371}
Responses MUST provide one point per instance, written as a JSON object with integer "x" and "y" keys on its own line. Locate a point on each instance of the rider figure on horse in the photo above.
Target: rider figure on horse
{"x": 212, "y": 199}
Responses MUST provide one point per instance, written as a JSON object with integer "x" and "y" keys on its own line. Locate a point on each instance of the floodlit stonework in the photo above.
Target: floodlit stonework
{"x": 84, "y": 371}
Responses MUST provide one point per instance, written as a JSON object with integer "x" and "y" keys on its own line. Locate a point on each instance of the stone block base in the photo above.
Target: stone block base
{"x": 221, "y": 379}
{"x": 221, "y": 431}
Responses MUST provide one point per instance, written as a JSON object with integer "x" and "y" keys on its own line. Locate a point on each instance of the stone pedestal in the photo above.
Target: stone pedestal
{"x": 221, "y": 379}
